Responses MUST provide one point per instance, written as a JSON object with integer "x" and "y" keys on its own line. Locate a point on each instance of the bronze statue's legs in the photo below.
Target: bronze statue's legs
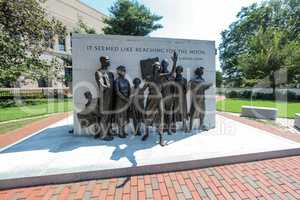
{"x": 121, "y": 129}
{"x": 97, "y": 129}
{"x": 191, "y": 121}
{"x": 137, "y": 127}
{"x": 146, "y": 133}
{"x": 122, "y": 133}
{"x": 201, "y": 117}
{"x": 161, "y": 125}
{"x": 161, "y": 142}
{"x": 104, "y": 131}
{"x": 184, "y": 125}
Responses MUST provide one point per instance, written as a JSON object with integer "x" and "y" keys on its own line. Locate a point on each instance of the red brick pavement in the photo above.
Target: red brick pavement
{"x": 14, "y": 136}
{"x": 268, "y": 179}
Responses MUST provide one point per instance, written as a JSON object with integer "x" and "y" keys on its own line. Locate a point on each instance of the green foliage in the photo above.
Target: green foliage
{"x": 219, "y": 79}
{"x": 265, "y": 40}
{"x": 128, "y": 17}
{"x": 248, "y": 94}
{"x": 84, "y": 28}
{"x": 25, "y": 32}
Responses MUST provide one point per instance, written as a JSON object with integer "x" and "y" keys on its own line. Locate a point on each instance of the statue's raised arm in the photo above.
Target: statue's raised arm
{"x": 174, "y": 59}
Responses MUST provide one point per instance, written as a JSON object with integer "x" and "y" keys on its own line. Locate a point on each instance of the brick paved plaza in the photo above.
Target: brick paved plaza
{"x": 269, "y": 179}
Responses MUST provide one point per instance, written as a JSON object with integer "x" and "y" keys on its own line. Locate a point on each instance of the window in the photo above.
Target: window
{"x": 50, "y": 41}
{"x": 62, "y": 43}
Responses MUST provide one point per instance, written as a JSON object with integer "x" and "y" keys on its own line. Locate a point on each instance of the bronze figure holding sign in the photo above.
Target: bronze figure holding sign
{"x": 180, "y": 103}
{"x": 168, "y": 81}
{"x": 155, "y": 104}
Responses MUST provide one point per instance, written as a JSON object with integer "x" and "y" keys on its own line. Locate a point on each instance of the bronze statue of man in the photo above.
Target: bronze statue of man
{"x": 105, "y": 82}
{"x": 122, "y": 91}
{"x": 136, "y": 110}
{"x": 180, "y": 102}
{"x": 198, "y": 87}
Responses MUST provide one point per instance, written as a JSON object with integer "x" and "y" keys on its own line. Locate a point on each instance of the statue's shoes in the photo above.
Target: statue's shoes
{"x": 145, "y": 137}
{"x": 122, "y": 136}
{"x": 139, "y": 133}
{"x": 108, "y": 138}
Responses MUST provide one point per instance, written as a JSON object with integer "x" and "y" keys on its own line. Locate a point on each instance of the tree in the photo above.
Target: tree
{"x": 264, "y": 40}
{"x": 25, "y": 32}
{"x": 128, "y": 17}
{"x": 219, "y": 79}
{"x": 84, "y": 28}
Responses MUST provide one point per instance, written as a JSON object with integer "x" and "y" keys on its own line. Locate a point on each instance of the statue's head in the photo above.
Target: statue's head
{"x": 136, "y": 82}
{"x": 105, "y": 62}
{"x": 121, "y": 70}
{"x": 164, "y": 66}
{"x": 199, "y": 71}
{"x": 88, "y": 95}
{"x": 156, "y": 66}
{"x": 179, "y": 69}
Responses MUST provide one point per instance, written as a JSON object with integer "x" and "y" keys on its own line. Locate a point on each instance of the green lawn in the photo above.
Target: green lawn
{"x": 286, "y": 109}
{"x": 41, "y": 108}
{"x": 10, "y": 126}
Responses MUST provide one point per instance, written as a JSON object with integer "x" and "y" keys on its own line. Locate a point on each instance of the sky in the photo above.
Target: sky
{"x": 188, "y": 19}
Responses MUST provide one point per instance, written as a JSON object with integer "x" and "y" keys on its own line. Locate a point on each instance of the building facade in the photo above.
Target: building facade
{"x": 69, "y": 12}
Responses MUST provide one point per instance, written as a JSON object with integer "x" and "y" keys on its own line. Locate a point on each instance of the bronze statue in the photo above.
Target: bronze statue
{"x": 122, "y": 91}
{"x": 88, "y": 116}
{"x": 105, "y": 82}
{"x": 136, "y": 109}
{"x": 154, "y": 105}
{"x": 180, "y": 102}
{"x": 198, "y": 87}
{"x": 168, "y": 80}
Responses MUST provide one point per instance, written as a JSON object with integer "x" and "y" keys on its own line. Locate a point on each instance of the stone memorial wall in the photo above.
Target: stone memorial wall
{"x": 129, "y": 51}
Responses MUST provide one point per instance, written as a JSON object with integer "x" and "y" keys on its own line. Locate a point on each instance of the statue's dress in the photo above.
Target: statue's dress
{"x": 180, "y": 102}
{"x": 168, "y": 82}
{"x": 198, "y": 87}
{"x": 122, "y": 91}
{"x": 137, "y": 108}
{"x": 154, "y": 104}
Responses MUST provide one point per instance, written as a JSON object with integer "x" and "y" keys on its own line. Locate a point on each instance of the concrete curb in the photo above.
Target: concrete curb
{"x": 142, "y": 170}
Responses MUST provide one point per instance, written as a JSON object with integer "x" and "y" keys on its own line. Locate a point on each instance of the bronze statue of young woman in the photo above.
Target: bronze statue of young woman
{"x": 122, "y": 91}
{"x": 198, "y": 87}
{"x": 137, "y": 108}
